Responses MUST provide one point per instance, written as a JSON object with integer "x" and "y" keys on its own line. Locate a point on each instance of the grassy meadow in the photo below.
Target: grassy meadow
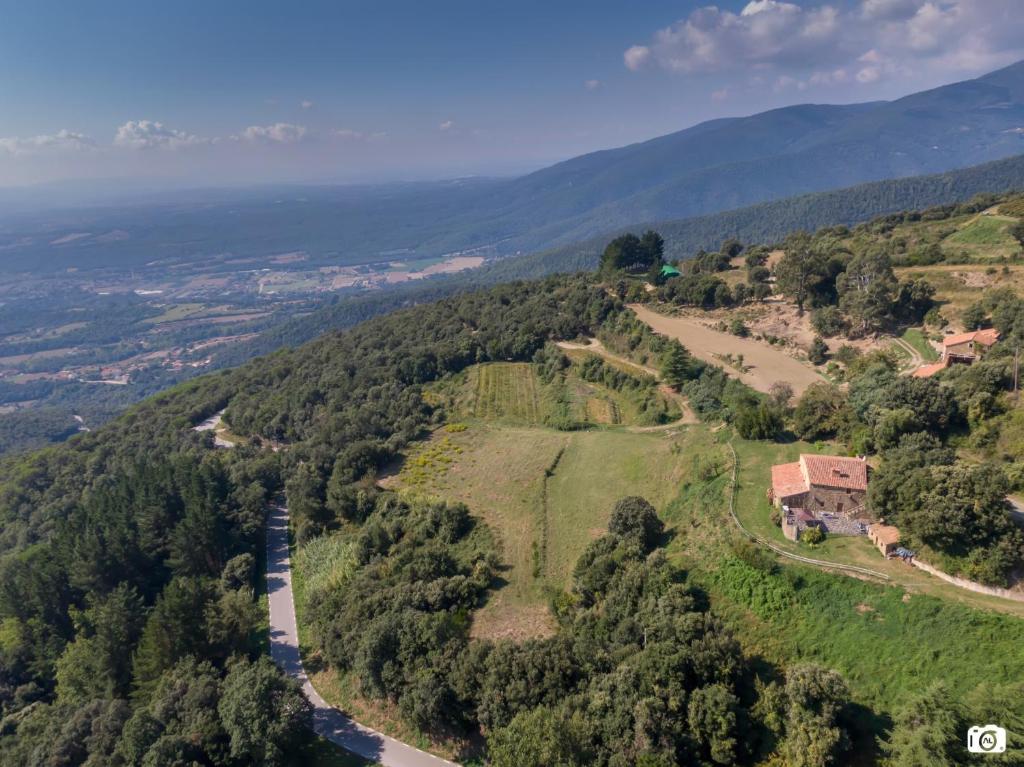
{"x": 888, "y": 639}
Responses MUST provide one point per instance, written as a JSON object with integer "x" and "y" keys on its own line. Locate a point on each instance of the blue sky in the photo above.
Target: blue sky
{"x": 232, "y": 92}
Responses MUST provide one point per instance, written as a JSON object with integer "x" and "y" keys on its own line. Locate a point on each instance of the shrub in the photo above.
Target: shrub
{"x": 758, "y": 422}
{"x": 634, "y": 518}
{"x": 818, "y": 353}
{"x": 828, "y": 321}
{"x": 738, "y": 328}
{"x": 812, "y": 536}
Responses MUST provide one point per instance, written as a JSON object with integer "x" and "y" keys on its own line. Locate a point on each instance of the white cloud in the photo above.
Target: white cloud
{"x": 720, "y": 95}
{"x": 447, "y": 125}
{"x": 591, "y": 85}
{"x": 61, "y": 140}
{"x": 815, "y": 43}
{"x": 636, "y": 57}
{"x": 306, "y": 104}
{"x": 348, "y": 133}
{"x": 151, "y": 134}
{"x": 278, "y": 133}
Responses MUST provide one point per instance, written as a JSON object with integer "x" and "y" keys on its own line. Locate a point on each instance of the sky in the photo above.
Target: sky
{"x": 223, "y": 92}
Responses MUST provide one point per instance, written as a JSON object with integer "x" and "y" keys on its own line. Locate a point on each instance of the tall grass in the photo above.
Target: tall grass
{"x": 324, "y": 563}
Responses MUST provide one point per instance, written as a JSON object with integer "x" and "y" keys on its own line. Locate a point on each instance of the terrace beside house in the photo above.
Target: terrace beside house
{"x": 823, "y": 491}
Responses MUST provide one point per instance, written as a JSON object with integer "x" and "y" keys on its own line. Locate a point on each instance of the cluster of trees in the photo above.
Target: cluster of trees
{"x": 398, "y": 622}
{"x": 714, "y": 395}
{"x": 638, "y": 673}
{"x": 854, "y": 293}
{"x": 634, "y": 255}
{"x": 131, "y": 630}
{"x": 953, "y": 508}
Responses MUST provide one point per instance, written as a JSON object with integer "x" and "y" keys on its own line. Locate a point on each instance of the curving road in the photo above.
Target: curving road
{"x": 328, "y": 721}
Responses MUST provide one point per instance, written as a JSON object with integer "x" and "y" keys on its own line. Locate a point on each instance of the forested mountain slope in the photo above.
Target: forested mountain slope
{"x": 764, "y": 223}
{"x": 714, "y": 166}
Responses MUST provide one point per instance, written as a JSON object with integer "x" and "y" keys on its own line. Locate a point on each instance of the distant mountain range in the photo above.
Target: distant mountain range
{"x": 715, "y": 166}
{"x": 764, "y": 223}
{"x": 731, "y": 163}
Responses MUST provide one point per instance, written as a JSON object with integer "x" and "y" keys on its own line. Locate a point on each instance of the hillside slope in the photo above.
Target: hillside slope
{"x": 731, "y": 163}
{"x": 764, "y": 223}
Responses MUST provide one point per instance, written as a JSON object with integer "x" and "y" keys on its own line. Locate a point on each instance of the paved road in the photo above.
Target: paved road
{"x": 328, "y": 721}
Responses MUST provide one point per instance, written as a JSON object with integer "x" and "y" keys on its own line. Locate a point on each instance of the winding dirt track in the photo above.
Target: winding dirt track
{"x": 596, "y": 347}
{"x": 764, "y": 365}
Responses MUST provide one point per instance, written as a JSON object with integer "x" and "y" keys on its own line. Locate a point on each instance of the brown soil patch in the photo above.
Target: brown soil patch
{"x": 517, "y": 623}
{"x": 975, "y": 279}
{"x": 863, "y": 608}
{"x": 763, "y": 364}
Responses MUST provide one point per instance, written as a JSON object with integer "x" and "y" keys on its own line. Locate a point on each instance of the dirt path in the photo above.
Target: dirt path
{"x": 598, "y": 348}
{"x": 916, "y": 360}
{"x": 764, "y": 365}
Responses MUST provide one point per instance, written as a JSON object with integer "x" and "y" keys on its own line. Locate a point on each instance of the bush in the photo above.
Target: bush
{"x": 818, "y": 353}
{"x": 828, "y": 321}
{"x": 758, "y": 422}
{"x": 812, "y": 535}
{"x": 635, "y": 519}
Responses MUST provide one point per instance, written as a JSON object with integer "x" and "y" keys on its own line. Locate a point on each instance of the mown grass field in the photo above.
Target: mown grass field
{"x": 596, "y": 469}
{"x": 546, "y": 494}
{"x": 916, "y": 339}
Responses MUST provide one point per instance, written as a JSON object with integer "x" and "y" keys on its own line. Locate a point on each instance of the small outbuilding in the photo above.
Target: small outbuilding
{"x": 885, "y": 537}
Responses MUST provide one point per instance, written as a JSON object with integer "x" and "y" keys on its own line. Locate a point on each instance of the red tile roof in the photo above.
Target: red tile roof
{"x": 985, "y": 337}
{"x": 835, "y": 471}
{"x": 926, "y": 371}
{"x": 788, "y": 479}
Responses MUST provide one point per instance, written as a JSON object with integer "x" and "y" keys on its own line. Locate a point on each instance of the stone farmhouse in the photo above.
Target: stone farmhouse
{"x": 962, "y": 349}
{"x": 824, "y": 491}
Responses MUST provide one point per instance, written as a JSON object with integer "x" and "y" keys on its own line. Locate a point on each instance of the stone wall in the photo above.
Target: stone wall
{"x": 829, "y": 498}
{"x": 969, "y": 585}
